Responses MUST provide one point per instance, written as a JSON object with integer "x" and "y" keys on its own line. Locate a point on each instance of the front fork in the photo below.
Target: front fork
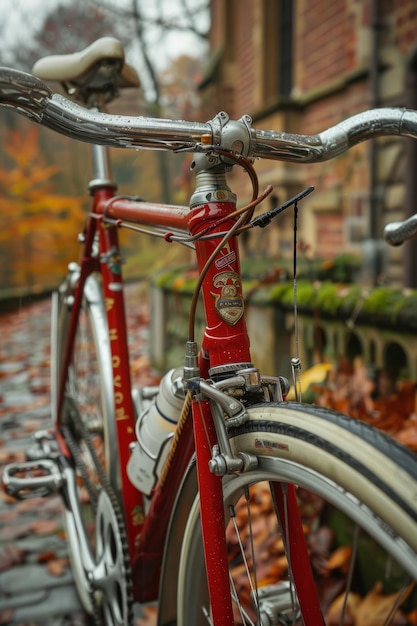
{"x": 214, "y": 460}
{"x": 212, "y": 517}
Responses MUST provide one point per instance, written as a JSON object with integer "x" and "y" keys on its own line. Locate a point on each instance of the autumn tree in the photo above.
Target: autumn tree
{"x": 146, "y": 28}
{"x": 37, "y": 225}
{"x": 66, "y": 28}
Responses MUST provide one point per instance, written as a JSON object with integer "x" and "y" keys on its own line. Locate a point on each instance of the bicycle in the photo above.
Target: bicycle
{"x": 167, "y": 520}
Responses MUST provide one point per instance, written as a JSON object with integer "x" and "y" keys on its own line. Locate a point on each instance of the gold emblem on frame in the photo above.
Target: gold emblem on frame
{"x": 228, "y": 300}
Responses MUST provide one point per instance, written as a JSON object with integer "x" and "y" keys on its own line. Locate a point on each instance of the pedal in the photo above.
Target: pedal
{"x": 32, "y": 479}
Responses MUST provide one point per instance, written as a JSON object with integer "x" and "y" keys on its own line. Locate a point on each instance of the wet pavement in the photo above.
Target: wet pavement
{"x": 36, "y": 582}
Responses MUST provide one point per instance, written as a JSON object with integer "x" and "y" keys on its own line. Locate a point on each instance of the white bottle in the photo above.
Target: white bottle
{"x": 155, "y": 428}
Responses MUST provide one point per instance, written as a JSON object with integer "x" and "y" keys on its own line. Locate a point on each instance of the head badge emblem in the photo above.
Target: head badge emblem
{"x": 229, "y": 300}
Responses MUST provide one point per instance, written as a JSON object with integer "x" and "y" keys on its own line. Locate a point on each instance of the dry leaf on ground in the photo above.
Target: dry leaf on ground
{"x": 11, "y": 555}
{"x": 45, "y": 527}
{"x": 376, "y": 607}
{"x": 338, "y": 608}
{"x": 56, "y": 567}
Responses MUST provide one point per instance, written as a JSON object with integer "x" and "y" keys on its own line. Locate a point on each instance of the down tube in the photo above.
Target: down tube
{"x": 212, "y": 518}
{"x": 124, "y": 410}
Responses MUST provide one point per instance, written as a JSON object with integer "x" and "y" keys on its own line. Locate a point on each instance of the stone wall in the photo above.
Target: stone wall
{"x": 378, "y": 325}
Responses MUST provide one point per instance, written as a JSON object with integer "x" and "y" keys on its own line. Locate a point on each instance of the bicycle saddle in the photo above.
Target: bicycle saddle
{"x": 98, "y": 69}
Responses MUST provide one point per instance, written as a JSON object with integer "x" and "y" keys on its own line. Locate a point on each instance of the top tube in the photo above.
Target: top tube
{"x": 31, "y": 97}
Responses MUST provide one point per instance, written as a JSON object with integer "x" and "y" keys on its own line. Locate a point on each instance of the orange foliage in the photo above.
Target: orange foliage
{"x": 35, "y": 221}
{"x": 350, "y": 389}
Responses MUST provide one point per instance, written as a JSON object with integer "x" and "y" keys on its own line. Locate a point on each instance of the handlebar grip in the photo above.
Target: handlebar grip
{"x": 24, "y": 93}
{"x": 396, "y": 233}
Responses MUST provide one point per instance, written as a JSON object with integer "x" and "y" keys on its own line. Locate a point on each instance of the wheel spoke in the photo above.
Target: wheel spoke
{"x": 350, "y": 573}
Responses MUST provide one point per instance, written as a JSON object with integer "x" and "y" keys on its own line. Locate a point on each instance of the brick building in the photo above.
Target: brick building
{"x": 302, "y": 66}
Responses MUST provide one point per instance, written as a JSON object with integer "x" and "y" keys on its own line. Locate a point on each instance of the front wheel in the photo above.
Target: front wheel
{"x": 357, "y": 495}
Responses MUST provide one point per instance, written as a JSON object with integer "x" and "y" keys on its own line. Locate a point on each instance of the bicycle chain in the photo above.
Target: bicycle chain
{"x": 106, "y": 486}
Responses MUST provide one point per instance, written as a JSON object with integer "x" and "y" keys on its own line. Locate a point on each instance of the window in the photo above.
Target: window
{"x": 285, "y": 47}
{"x": 277, "y": 62}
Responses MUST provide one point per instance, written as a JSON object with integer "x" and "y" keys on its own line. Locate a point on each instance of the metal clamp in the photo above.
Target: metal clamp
{"x": 223, "y": 460}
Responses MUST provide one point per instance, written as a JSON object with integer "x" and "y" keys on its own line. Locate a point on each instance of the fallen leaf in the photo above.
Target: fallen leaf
{"x": 56, "y": 567}
{"x": 9, "y": 456}
{"x": 337, "y": 609}
{"x": 11, "y": 555}
{"x": 340, "y": 559}
{"x": 376, "y": 607}
{"x": 45, "y": 527}
{"x": 45, "y": 557}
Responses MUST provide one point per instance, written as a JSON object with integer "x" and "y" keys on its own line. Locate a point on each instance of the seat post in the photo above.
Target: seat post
{"x": 102, "y": 174}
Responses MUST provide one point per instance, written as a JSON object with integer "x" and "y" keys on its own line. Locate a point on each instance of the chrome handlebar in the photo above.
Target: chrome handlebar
{"x": 397, "y": 233}
{"x": 29, "y": 96}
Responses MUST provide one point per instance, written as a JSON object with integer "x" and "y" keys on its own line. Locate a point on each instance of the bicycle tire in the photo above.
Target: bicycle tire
{"x": 357, "y": 471}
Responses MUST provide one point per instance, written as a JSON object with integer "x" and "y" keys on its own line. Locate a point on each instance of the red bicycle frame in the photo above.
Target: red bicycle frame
{"x": 225, "y": 341}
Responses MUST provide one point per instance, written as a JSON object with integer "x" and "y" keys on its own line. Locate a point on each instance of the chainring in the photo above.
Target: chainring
{"x": 110, "y": 586}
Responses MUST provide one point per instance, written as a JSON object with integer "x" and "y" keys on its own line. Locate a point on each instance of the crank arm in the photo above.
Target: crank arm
{"x": 72, "y": 509}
